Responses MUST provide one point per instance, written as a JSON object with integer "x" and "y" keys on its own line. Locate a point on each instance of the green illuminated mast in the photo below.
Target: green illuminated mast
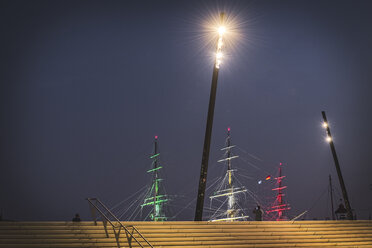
{"x": 156, "y": 196}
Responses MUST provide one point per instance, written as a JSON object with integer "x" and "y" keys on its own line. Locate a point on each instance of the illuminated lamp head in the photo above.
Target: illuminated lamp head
{"x": 221, "y": 30}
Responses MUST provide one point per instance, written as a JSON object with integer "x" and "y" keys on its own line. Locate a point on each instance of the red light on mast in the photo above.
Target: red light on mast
{"x": 228, "y": 129}
{"x": 156, "y": 137}
{"x": 279, "y": 206}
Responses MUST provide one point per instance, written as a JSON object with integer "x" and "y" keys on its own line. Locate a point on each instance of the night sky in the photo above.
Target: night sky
{"x": 86, "y": 85}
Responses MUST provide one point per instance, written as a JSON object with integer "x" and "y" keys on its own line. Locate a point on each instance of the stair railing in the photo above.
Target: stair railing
{"x": 97, "y": 206}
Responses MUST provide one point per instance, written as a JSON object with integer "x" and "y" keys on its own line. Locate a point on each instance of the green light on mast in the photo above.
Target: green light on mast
{"x": 155, "y": 196}
{"x": 155, "y": 169}
{"x": 155, "y": 155}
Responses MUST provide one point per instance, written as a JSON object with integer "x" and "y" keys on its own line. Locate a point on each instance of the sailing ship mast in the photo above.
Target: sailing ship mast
{"x": 229, "y": 188}
{"x": 156, "y": 197}
{"x": 279, "y": 205}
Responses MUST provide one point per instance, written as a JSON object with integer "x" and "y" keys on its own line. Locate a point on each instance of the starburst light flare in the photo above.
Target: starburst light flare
{"x": 219, "y": 55}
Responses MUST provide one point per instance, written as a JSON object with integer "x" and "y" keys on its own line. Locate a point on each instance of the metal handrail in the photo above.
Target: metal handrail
{"x": 128, "y": 234}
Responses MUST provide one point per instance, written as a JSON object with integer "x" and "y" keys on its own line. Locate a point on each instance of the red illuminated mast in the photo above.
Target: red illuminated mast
{"x": 279, "y": 205}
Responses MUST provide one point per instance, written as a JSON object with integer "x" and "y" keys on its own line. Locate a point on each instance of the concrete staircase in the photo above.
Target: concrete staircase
{"x": 189, "y": 234}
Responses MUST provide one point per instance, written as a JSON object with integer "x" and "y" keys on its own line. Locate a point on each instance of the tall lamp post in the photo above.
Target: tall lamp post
{"x": 208, "y": 130}
{"x": 338, "y": 169}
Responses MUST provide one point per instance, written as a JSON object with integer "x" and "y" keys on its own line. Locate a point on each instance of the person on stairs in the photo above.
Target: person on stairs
{"x": 258, "y": 213}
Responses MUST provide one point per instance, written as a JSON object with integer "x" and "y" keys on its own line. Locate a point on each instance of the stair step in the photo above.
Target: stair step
{"x": 190, "y": 234}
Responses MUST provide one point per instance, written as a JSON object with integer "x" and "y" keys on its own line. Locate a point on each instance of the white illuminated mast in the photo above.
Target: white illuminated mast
{"x": 229, "y": 189}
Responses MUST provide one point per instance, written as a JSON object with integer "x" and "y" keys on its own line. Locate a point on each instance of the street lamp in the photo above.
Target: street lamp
{"x": 208, "y": 131}
{"x": 338, "y": 169}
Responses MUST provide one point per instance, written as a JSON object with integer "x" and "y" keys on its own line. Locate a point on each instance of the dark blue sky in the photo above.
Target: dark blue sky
{"x": 85, "y": 86}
